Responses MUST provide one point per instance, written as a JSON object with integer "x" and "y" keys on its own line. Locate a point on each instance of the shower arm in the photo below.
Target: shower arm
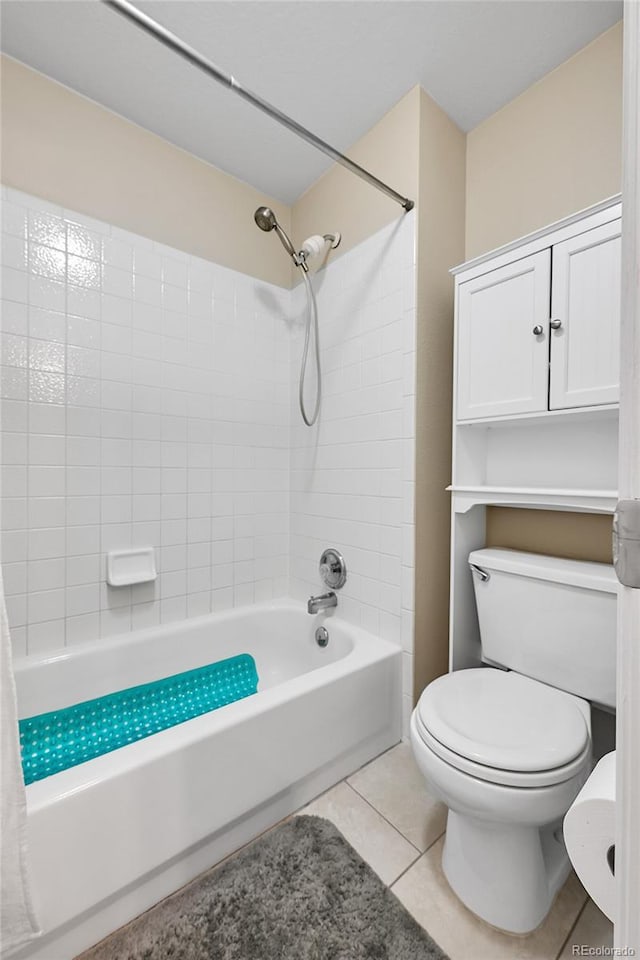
{"x": 174, "y": 43}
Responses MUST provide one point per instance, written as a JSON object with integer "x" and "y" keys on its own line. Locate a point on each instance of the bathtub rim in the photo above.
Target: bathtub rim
{"x": 25, "y": 664}
{"x": 366, "y": 649}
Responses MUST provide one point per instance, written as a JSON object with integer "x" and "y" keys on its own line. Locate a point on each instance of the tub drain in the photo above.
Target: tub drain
{"x": 322, "y": 636}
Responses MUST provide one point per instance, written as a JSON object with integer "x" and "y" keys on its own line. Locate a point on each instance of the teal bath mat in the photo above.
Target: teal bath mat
{"x": 64, "y": 738}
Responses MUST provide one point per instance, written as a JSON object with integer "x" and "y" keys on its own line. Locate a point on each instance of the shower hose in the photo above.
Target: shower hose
{"x": 312, "y": 318}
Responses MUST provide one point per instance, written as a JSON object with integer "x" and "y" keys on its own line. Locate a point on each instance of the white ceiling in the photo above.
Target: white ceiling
{"x": 336, "y": 66}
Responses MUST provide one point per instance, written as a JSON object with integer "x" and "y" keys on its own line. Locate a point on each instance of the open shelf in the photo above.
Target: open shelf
{"x": 568, "y": 458}
{"x": 542, "y": 498}
{"x": 607, "y": 411}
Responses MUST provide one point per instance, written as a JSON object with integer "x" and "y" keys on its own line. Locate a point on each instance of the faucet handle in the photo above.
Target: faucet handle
{"x": 333, "y": 569}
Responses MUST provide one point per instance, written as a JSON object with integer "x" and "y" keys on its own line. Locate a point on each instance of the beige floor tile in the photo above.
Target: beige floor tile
{"x": 593, "y": 929}
{"x": 393, "y": 784}
{"x": 384, "y": 849}
{"x": 425, "y": 892}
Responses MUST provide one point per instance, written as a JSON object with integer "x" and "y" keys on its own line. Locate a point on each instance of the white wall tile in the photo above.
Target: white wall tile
{"x": 145, "y": 615}
{"x": 14, "y": 545}
{"x": 162, "y": 411}
{"x": 15, "y": 578}
{"x": 172, "y": 609}
{"x": 13, "y": 480}
{"x": 17, "y": 609}
{"x": 45, "y": 637}
{"x": 45, "y": 605}
{"x": 82, "y": 629}
{"x": 115, "y": 621}
{"x": 348, "y": 473}
{"x": 46, "y": 574}
{"x": 47, "y": 512}
{"x": 83, "y": 569}
{"x": 110, "y": 338}
{"x": 82, "y": 599}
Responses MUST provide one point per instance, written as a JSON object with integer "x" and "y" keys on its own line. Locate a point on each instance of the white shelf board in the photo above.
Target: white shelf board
{"x": 540, "y": 498}
{"x": 582, "y": 414}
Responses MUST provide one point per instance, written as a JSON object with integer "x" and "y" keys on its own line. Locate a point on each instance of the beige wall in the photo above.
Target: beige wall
{"x": 67, "y": 149}
{"x": 440, "y": 244}
{"x": 577, "y": 536}
{"x": 341, "y": 201}
{"x": 553, "y": 150}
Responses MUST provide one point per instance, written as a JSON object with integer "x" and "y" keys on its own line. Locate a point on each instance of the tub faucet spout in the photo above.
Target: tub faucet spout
{"x": 325, "y": 600}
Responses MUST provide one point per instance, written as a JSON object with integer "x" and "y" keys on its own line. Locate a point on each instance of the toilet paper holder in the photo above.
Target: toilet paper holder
{"x": 589, "y": 832}
{"x": 611, "y": 858}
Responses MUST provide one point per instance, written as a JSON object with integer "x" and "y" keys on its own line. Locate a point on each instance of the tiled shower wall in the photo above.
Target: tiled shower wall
{"x": 352, "y": 476}
{"x": 145, "y": 402}
{"x": 150, "y": 398}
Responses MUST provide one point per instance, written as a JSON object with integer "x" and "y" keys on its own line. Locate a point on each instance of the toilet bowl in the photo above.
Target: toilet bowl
{"x": 481, "y": 739}
{"x": 507, "y": 746}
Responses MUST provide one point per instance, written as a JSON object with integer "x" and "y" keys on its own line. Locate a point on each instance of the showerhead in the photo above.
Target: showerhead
{"x": 266, "y": 220}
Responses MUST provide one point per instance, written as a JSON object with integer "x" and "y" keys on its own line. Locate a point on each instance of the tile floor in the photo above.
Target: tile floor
{"x": 385, "y": 813}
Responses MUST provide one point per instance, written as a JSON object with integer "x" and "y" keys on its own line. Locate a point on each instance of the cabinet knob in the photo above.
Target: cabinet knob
{"x": 538, "y": 329}
{"x": 555, "y": 324}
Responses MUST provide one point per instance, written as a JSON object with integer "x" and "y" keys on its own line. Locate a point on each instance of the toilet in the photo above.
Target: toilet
{"x": 507, "y": 746}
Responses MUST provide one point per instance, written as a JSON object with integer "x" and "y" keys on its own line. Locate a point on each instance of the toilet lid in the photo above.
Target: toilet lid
{"x": 503, "y": 720}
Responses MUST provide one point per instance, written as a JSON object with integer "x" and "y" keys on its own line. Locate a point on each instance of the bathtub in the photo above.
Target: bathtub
{"x": 112, "y": 836}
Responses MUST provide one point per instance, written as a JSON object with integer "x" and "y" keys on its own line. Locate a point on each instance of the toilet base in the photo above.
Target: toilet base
{"x": 508, "y": 875}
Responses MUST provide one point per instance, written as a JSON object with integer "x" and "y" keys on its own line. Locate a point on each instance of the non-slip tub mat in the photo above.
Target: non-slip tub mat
{"x": 55, "y": 741}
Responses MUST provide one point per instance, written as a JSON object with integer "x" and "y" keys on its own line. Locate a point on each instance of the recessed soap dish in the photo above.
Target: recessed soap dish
{"x": 125, "y": 567}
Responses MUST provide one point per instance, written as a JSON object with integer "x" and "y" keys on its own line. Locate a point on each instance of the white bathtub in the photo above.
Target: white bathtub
{"x": 112, "y": 836}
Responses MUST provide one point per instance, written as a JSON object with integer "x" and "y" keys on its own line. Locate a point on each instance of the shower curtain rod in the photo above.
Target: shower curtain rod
{"x": 174, "y": 43}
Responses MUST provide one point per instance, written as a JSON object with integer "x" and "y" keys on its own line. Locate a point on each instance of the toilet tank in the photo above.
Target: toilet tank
{"x": 550, "y": 619}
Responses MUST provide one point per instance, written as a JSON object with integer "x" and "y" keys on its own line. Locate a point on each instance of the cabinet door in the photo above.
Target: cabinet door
{"x": 585, "y": 347}
{"x": 502, "y": 362}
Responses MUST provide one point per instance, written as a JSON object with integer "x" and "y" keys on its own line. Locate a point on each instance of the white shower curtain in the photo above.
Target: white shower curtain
{"x": 18, "y": 923}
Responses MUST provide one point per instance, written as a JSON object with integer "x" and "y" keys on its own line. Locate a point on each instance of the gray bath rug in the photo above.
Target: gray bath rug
{"x": 300, "y": 892}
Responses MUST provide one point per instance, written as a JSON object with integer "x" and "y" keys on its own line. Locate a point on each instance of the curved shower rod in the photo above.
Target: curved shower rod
{"x": 174, "y": 43}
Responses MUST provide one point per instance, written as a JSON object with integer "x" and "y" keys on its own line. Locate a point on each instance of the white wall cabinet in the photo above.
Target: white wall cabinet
{"x": 585, "y": 312}
{"x": 538, "y": 327}
{"x": 502, "y": 363}
{"x": 535, "y": 388}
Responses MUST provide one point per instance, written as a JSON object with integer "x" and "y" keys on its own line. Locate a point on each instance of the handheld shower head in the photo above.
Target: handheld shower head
{"x": 266, "y": 220}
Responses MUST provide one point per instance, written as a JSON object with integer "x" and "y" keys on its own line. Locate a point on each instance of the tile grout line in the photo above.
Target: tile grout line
{"x": 421, "y": 853}
{"x": 413, "y": 863}
{"x": 386, "y": 819}
{"x": 572, "y": 928}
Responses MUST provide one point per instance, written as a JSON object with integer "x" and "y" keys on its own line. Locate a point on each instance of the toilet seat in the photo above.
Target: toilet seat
{"x": 504, "y": 728}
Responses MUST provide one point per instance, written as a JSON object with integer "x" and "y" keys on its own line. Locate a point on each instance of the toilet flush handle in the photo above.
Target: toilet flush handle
{"x": 483, "y": 574}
